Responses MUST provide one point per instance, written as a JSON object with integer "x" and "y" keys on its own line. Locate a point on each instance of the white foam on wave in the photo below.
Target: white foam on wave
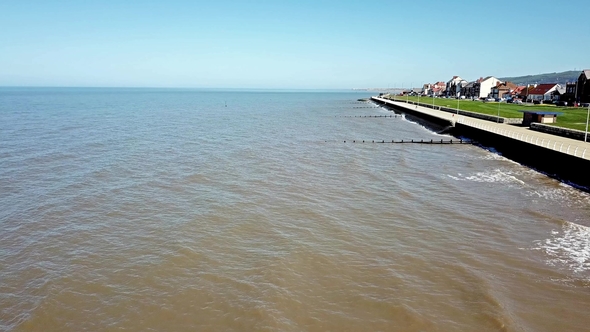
{"x": 454, "y": 177}
{"x": 493, "y": 156}
{"x": 563, "y": 193}
{"x": 568, "y": 247}
{"x": 490, "y": 176}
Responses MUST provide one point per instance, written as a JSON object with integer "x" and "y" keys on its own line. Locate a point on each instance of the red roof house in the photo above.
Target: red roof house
{"x": 542, "y": 91}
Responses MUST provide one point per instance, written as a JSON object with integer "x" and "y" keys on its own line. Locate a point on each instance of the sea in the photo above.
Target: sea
{"x": 126, "y": 209}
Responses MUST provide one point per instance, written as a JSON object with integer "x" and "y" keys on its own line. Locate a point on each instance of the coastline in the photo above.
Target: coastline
{"x": 564, "y": 159}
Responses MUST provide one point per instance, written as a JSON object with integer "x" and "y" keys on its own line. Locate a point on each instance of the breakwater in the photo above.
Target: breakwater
{"x": 562, "y": 158}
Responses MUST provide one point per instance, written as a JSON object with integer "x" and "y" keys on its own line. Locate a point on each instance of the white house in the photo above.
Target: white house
{"x": 543, "y": 91}
{"x": 483, "y": 87}
{"x": 454, "y": 86}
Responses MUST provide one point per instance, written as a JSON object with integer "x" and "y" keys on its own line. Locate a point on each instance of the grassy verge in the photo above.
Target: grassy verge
{"x": 571, "y": 117}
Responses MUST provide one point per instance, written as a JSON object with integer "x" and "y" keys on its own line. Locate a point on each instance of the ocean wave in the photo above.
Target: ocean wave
{"x": 563, "y": 193}
{"x": 491, "y": 176}
{"x": 568, "y": 247}
{"x": 493, "y": 155}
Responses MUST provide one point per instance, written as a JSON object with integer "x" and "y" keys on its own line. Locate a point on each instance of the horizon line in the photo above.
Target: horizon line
{"x": 162, "y": 87}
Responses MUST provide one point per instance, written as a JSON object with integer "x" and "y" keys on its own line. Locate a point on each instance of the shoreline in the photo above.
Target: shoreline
{"x": 564, "y": 159}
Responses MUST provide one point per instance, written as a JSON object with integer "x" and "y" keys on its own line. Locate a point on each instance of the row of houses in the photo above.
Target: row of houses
{"x": 492, "y": 87}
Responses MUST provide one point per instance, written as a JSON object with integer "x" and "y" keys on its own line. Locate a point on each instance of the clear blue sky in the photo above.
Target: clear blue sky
{"x": 286, "y": 44}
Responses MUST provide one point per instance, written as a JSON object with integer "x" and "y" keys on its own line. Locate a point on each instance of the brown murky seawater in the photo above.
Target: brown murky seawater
{"x": 164, "y": 210}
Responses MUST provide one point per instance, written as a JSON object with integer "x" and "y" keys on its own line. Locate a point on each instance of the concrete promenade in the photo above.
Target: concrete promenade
{"x": 559, "y": 144}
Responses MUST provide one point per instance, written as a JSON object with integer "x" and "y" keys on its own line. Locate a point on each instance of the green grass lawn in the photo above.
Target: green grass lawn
{"x": 573, "y": 118}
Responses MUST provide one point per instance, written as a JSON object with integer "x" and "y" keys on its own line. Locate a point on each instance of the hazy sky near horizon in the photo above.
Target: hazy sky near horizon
{"x": 285, "y": 44}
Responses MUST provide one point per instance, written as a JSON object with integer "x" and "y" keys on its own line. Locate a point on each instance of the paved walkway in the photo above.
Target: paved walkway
{"x": 557, "y": 143}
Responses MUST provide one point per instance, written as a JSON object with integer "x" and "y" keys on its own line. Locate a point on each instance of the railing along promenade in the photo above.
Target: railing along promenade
{"x": 560, "y": 144}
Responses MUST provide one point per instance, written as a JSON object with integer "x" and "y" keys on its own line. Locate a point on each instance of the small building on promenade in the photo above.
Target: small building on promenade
{"x": 530, "y": 116}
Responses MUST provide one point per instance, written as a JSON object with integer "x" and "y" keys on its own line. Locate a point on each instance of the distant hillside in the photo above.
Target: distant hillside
{"x": 560, "y": 78}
